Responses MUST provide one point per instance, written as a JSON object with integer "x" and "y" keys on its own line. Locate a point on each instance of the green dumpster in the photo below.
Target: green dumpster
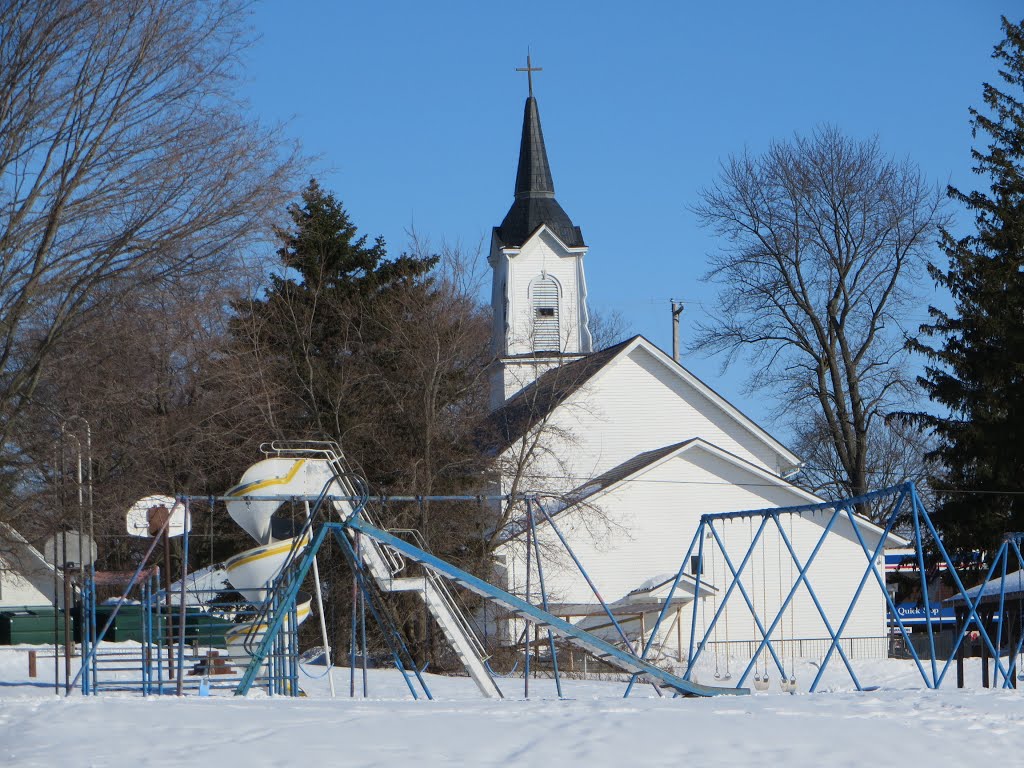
{"x": 127, "y": 624}
{"x": 31, "y": 625}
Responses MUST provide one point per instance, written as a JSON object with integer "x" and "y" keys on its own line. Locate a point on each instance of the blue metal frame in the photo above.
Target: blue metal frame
{"x": 396, "y": 645}
{"x": 586, "y": 576}
{"x": 543, "y": 596}
{"x": 526, "y": 610}
{"x": 922, "y": 524}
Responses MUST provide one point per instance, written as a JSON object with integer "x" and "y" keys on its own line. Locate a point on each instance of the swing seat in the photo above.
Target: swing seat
{"x": 788, "y": 686}
{"x": 761, "y": 683}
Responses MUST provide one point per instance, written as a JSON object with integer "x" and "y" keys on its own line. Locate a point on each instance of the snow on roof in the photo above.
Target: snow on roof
{"x": 1014, "y": 583}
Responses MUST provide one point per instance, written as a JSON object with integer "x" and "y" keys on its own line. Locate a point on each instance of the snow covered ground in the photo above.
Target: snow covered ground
{"x": 899, "y": 723}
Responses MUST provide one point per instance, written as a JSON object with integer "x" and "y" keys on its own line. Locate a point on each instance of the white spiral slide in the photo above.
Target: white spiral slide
{"x": 308, "y": 473}
{"x": 253, "y": 571}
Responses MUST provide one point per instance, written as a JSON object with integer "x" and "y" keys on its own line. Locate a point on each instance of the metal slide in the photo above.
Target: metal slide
{"x": 309, "y": 469}
{"x": 384, "y": 564}
{"x": 617, "y": 657}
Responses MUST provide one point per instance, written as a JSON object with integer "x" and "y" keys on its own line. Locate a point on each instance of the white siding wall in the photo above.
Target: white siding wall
{"x": 651, "y": 523}
{"x": 17, "y": 590}
{"x": 635, "y": 404}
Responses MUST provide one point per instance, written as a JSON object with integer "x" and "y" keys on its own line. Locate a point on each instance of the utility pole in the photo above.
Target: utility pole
{"x": 677, "y": 310}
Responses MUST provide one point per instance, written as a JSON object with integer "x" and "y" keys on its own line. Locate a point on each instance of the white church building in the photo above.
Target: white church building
{"x": 628, "y": 449}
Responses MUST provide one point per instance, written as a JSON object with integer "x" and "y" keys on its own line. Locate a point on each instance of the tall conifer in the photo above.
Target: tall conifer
{"x": 976, "y": 367}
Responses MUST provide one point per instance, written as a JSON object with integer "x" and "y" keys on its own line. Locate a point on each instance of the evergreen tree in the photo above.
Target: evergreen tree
{"x": 386, "y": 356}
{"x": 324, "y": 248}
{"x": 977, "y": 371}
{"x": 313, "y": 330}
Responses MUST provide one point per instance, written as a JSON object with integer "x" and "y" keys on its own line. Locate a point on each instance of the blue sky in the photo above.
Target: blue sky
{"x": 414, "y": 109}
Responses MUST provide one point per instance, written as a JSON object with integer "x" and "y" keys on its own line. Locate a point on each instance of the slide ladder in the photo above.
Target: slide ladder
{"x": 385, "y": 564}
{"x": 624, "y": 660}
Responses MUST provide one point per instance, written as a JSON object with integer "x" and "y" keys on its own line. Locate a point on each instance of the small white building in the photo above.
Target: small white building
{"x": 25, "y": 576}
{"x": 630, "y": 449}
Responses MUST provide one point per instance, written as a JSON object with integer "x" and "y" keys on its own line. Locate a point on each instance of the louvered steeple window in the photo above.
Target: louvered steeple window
{"x": 544, "y": 295}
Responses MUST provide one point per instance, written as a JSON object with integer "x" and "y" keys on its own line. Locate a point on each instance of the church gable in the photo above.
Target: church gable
{"x": 636, "y": 402}
{"x": 696, "y": 410}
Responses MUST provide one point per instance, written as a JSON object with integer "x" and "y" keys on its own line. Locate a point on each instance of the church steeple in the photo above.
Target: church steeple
{"x": 533, "y": 179}
{"x": 539, "y": 292}
{"x": 535, "y": 202}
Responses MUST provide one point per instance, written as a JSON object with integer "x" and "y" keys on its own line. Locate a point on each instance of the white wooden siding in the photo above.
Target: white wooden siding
{"x": 634, "y": 405}
{"x": 642, "y": 529}
{"x": 17, "y": 590}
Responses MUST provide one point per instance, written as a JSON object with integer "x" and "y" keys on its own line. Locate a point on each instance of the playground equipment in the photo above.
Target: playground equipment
{"x": 380, "y": 557}
{"x": 261, "y": 637}
{"x": 904, "y": 508}
{"x": 259, "y": 634}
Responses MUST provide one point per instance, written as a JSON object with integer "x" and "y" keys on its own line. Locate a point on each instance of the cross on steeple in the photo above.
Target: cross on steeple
{"x": 529, "y": 69}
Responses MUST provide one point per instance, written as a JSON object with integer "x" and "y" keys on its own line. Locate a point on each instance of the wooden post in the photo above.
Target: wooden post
{"x": 31, "y": 663}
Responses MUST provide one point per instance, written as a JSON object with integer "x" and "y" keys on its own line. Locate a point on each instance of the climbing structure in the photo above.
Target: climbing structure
{"x": 382, "y": 556}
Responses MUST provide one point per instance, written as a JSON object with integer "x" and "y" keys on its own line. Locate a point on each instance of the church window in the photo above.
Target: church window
{"x": 544, "y": 296}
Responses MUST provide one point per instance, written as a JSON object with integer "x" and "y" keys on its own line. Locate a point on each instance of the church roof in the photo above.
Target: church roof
{"x": 537, "y": 401}
{"x": 535, "y": 202}
{"x": 628, "y": 469}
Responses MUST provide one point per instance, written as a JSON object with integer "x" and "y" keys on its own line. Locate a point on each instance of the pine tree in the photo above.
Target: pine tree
{"x": 324, "y": 248}
{"x": 977, "y": 371}
{"x": 314, "y": 330}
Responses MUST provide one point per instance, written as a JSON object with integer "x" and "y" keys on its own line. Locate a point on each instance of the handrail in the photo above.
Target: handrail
{"x": 455, "y": 606}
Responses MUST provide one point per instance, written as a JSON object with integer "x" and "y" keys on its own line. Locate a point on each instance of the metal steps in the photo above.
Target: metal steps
{"x": 383, "y": 565}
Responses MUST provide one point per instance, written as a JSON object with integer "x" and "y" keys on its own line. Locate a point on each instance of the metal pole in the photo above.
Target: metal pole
{"x": 924, "y": 590}
{"x": 182, "y": 613}
{"x": 352, "y": 628}
{"x": 677, "y": 309}
{"x": 169, "y": 632}
{"x": 1004, "y": 551}
{"x": 526, "y": 634}
{"x": 700, "y": 537}
{"x": 362, "y": 630}
{"x": 323, "y": 619}
{"x": 68, "y": 643}
{"x": 81, "y": 512}
{"x": 544, "y": 598}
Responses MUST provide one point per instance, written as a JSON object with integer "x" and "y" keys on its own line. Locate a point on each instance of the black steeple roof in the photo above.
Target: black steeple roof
{"x": 535, "y": 202}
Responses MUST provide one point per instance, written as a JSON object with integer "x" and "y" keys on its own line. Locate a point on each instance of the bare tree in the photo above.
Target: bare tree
{"x": 824, "y": 238}
{"x": 607, "y": 327}
{"x": 124, "y": 159}
{"x": 148, "y": 375}
{"x": 895, "y": 454}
